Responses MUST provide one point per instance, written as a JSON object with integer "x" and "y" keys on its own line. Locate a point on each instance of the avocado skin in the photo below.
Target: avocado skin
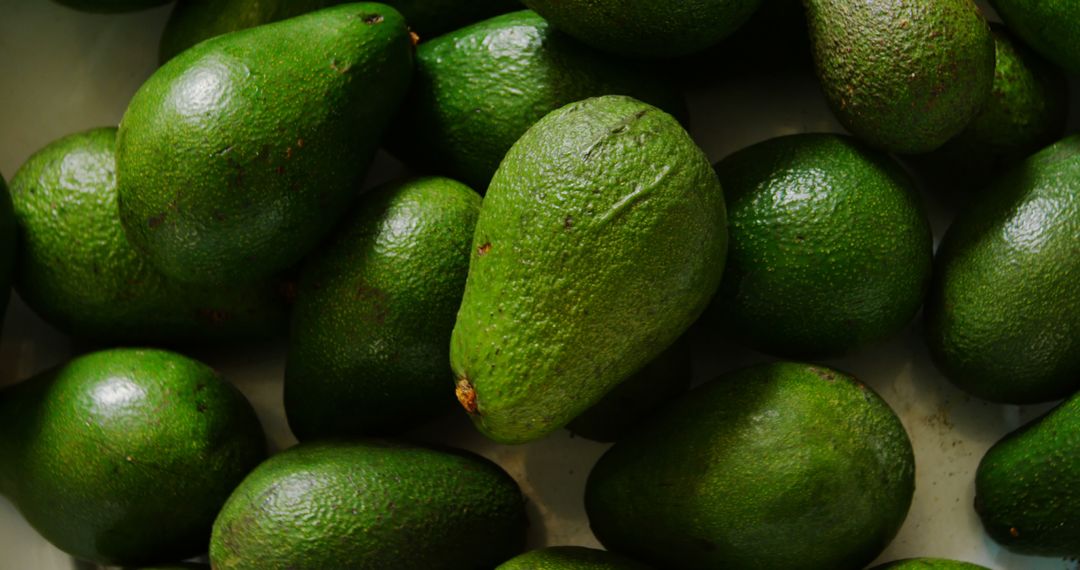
{"x": 236, "y": 157}
{"x": 570, "y": 558}
{"x": 8, "y": 246}
{"x": 646, "y": 29}
{"x": 373, "y": 502}
{"x": 77, "y": 270}
{"x": 1024, "y": 486}
{"x": 830, "y": 247}
{"x": 111, "y": 6}
{"x": 125, "y": 456}
{"x": 600, "y": 241}
{"x": 928, "y": 564}
{"x": 1006, "y": 289}
{"x": 893, "y": 77}
{"x": 815, "y": 467}
{"x": 1048, "y": 26}
{"x": 478, "y": 89}
{"x": 370, "y": 341}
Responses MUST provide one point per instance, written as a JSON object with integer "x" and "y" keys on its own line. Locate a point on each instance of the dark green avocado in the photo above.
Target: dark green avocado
{"x": 1049, "y": 26}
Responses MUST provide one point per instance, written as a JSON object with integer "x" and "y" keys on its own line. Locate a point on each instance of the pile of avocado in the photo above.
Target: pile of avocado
{"x": 553, "y": 262}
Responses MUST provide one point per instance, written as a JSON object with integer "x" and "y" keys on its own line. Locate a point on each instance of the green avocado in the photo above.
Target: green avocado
{"x": 77, "y": 270}
{"x": 570, "y": 558}
{"x": 370, "y": 505}
{"x": 830, "y": 246}
{"x": 9, "y": 245}
{"x": 928, "y": 564}
{"x": 1048, "y": 26}
{"x": 125, "y": 456}
{"x": 600, "y": 241}
{"x": 111, "y": 6}
{"x": 905, "y": 77}
{"x": 1004, "y": 307}
{"x": 478, "y": 89}
{"x": 370, "y": 341}
{"x": 776, "y": 466}
{"x": 1025, "y": 485}
{"x": 235, "y": 158}
{"x": 646, "y": 28}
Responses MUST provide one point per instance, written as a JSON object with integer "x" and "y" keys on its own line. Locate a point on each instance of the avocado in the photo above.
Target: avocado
{"x": 235, "y": 158}
{"x": 570, "y": 558}
{"x": 1025, "y": 485}
{"x": 928, "y": 564}
{"x": 830, "y": 246}
{"x": 1004, "y": 306}
{"x": 125, "y": 456}
{"x": 600, "y": 241}
{"x": 193, "y": 21}
{"x": 369, "y": 505}
{"x": 478, "y": 89}
{"x": 111, "y": 6}
{"x": 1048, "y": 26}
{"x": 646, "y": 29}
{"x": 8, "y": 246}
{"x": 904, "y": 77}
{"x": 776, "y": 466}
{"x": 370, "y": 341}
{"x": 77, "y": 270}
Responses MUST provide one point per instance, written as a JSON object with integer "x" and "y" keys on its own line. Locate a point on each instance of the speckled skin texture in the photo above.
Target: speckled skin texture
{"x": 8, "y": 246}
{"x": 777, "y": 466}
{"x": 1049, "y": 26}
{"x": 928, "y": 564}
{"x": 903, "y": 75}
{"x": 239, "y": 155}
{"x": 646, "y": 28}
{"x": 125, "y": 456}
{"x": 77, "y": 270}
{"x": 570, "y": 558}
{"x": 600, "y": 241}
{"x": 1003, "y": 312}
{"x": 370, "y": 505}
{"x": 478, "y": 89}
{"x": 111, "y": 6}
{"x": 830, "y": 247}
{"x": 1026, "y": 487}
{"x": 370, "y": 342}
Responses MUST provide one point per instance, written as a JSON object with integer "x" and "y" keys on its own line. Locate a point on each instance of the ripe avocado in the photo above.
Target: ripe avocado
{"x": 111, "y": 6}
{"x": 929, "y": 564}
{"x": 776, "y": 466}
{"x": 370, "y": 505}
{"x": 600, "y": 241}
{"x": 8, "y": 246}
{"x": 1004, "y": 306}
{"x": 1049, "y": 26}
{"x": 370, "y": 341}
{"x": 77, "y": 270}
{"x": 570, "y": 558}
{"x": 125, "y": 456}
{"x": 236, "y": 157}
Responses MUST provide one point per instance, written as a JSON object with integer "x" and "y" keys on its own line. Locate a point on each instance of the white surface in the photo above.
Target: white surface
{"x": 62, "y": 71}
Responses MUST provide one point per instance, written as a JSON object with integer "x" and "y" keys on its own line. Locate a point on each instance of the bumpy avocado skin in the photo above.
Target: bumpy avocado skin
{"x": 815, "y": 468}
{"x": 478, "y": 89}
{"x": 111, "y": 6}
{"x": 903, "y": 77}
{"x": 125, "y": 456}
{"x": 1025, "y": 485}
{"x": 830, "y": 247}
{"x": 9, "y": 245}
{"x": 646, "y": 29}
{"x": 1048, "y": 26}
{"x": 370, "y": 342}
{"x": 600, "y": 241}
{"x": 239, "y": 155}
{"x": 364, "y": 504}
{"x": 77, "y": 270}
{"x": 1004, "y": 306}
{"x": 570, "y": 558}
{"x": 929, "y": 564}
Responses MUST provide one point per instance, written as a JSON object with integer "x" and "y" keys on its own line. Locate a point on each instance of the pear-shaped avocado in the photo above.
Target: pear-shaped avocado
{"x": 239, "y": 155}
{"x": 903, "y": 76}
{"x": 600, "y": 241}
{"x": 929, "y": 564}
{"x": 77, "y": 270}
{"x": 8, "y": 246}
{"x": 1049, "y": 26}
{"x": 570, "y": 558}
{"x": 111, "y": 6}
{"x": 125, "y": 456}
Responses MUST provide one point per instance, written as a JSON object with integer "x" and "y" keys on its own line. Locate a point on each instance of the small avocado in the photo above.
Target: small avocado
{"x": 830, "y": 247}
{"x": 905, "y": 77}
{"x": 125, "y": 456}
{"x": 1025, "y": 486}
{"x": 77, "y": 270}
{"x": 600, "y": 241}
{"x": 772, "y": 467}
{"x": 370, "y": 505}
{"x": 8, "y": 246}
{"x": 929, "y": 564}
{"x": 370, "y": 342}
{"x": 570, "y": 558}
{"x": 1004, "y": 307}
{"x": 1048, "y": 26}
{"x": 235, "y": 158}
{"x": 111, "y": 6}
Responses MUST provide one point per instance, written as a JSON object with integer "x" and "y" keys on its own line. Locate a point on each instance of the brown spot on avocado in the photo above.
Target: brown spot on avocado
{"x": 155, "y": 221}
{"x": 466, "y": 394}
{"x": 825, "y": 374}
{"x": 482, "y": 250}
{"x": 1014, "y": 532}
{"x": 373, "y": 19}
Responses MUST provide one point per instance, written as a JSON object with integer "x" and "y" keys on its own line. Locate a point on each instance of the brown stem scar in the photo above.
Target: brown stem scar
{"x": 466, "y": 394}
